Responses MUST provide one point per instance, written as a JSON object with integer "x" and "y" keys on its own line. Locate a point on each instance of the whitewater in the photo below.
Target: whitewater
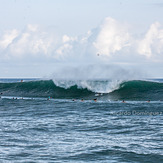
{"x": 138, "y": 90}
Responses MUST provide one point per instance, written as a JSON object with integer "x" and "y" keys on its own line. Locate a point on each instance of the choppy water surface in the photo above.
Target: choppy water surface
{"x": 46, "y": 121}
{"x": 41, "y": 130}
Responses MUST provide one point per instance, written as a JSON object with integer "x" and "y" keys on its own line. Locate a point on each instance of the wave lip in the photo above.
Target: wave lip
{"x": 96, "y": 86}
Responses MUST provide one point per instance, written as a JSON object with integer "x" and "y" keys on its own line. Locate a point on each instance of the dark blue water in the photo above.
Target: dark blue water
{"x": 38, "y": 130}
{"x": 62, "y": 130}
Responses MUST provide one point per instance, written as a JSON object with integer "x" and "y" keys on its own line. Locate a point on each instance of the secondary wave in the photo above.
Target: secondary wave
{"x": 139, "y": 90}
{"x": 104, "y": 89}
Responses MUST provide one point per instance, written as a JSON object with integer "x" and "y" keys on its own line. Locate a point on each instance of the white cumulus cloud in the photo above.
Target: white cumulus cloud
{"x": 152, "y": 43}
{"x": 113, "y": 36}
{"x": 112, "y": 40}
{"x": 8, "y": 37}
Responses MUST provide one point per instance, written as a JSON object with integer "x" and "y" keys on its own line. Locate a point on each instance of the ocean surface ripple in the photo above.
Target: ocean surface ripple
{"x": 37, "y": 129}
{"x": 40, "y": 130}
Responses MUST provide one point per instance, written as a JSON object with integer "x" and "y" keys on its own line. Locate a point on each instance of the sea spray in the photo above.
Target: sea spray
{"x": 97, "y": 86}
{"x": 99, "y": 71}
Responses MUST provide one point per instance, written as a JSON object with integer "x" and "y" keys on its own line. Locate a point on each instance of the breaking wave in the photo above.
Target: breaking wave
{"x": 103, "y": 89}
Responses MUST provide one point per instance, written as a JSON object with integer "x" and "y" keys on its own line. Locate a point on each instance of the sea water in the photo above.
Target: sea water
{"x": 43, "y": 122}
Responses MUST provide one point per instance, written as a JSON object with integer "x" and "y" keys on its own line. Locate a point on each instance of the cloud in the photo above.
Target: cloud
{"x": 8, "y": 37}
{"x": 31, "y": 42}
{"x": 66, "y": 38}
{"x": 152, "y": 43}
{"x": 112, "y": 37}
{"x": 113, "y": 40}
{"x": 65, "y": 47}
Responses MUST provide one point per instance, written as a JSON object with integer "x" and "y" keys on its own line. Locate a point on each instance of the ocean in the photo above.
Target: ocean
{"x": 81, "y": 121}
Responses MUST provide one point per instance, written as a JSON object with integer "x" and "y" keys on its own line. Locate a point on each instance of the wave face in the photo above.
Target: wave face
{"x": 139, "y": 90}
{"x": 43, "y": 88}
{"x": 104, "y": 89}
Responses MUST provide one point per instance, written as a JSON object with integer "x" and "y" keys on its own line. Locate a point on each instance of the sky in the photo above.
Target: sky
{"x": 43, "y": 38}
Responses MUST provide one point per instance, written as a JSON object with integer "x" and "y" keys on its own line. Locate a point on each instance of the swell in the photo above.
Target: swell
{"x": 127, "y": 90}
{"x": 42, "y": 88}
{"x": 139, "y": 90}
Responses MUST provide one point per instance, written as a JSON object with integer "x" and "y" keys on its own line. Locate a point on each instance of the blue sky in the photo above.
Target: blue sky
{"x": 40, "y": 37}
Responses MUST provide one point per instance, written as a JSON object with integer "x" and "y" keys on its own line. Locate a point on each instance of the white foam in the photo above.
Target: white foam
{"x": 97, "y": 86}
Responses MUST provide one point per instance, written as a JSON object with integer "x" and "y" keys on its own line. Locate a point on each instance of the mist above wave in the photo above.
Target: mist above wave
{"x": 96, "y": 72}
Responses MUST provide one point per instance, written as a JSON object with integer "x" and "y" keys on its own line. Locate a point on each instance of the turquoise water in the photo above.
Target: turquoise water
{"x": 37, "y": 129}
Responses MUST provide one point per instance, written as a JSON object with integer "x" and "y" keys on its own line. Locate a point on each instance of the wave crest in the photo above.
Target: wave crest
{"x": 96, "y": 86}
{"x": 87, "y": 89}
